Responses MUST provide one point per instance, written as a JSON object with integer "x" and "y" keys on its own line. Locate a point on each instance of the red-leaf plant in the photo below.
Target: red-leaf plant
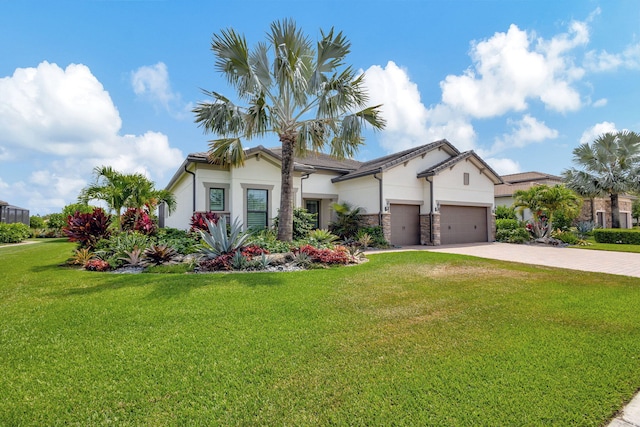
{"x": 88, "y": 228}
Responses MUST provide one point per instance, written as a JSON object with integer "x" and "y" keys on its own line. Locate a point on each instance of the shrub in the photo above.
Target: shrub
{"x": 267, "y": 240}
{"x": 118, "y": 246}
{"x": 322, "y": 238}
{"x": 507, "y": 224}
{"x": 617, "y": 235}
{"x": 505, "y": 212}
{"x": 518, "y": 235}
{"x": 133, "y": 258}
{"x": 81, "y": 257}
{"x": 97, "y": 265}
{"x": 562, "y": 221}
{"x": 88, "y": 228}
{"x": 348, "y": 220}
{"x": 199, "y": 220}
{"x": 338, "y": 255}
{"x": 183, "y": 242}
{"x": 57, "y": 221}
{"x": 303, "y": 223}
{"x": 137, "y": 220}
{"x": 585, "y": 228}
{"x": 36, "y": 221}
{"x": 377, "y": 236}
{"x": 71, "y": 209}
{"x": 14, "y": 233}
{"x": 566, "y": 237}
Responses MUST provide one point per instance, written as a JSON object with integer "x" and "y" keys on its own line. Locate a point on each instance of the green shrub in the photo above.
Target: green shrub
{"x": 14, "y": 233}
{"x": 36, "y": 221}
{"x": 562, "y": 222}
{"x": 566, "y": 237}
{"x": 348, "y": 220}
{"x": 517, "y": 235}
{"x": 57, "y": 220}
{"x": 505, "y": 212}
{"x": 507, "y": 224}
{"x": 267, "y": 239}
{"x": 617, "y": 235}
{"x": 303, "y": 223}
{"x": 376, "y": 234}
{"x": 183, "y": 242}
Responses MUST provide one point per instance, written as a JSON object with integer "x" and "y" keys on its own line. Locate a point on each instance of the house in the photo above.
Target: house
{"x": 596, "y": 210}
{"x": 10, "y": 214}
{"x": 430, "y": 195}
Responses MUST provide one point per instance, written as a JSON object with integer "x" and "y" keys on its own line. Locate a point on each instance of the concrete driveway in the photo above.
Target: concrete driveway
{"x": 622, "y": 263}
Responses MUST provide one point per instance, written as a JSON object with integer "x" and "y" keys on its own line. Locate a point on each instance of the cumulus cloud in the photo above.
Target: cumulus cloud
{"x": 152, "y": 83}
{"x": 503, "y": 166}
{"x": 64, "y": 123}
{"x": 596, "y": 130}
{"x": 600, "y": 103}
{"x": 604, "y": 61}
{"x": 511, "y": 68}
{"x": 526, "y": 131}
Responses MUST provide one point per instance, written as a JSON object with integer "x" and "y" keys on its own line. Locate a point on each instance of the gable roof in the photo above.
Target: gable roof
{"x": 323, "y": 161}
{"x": 529, "y": 176}
{"x": 382, "y": 163}
{"x": 467, "y": 155}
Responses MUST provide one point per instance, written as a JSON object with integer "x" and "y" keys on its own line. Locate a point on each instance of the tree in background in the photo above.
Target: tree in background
{"x": 635, "y": 211}
{"x": 120, "y": 191}
{"x": 302, "y": 93}
{"x": 545, "y": 203}
{"x": 609, "y": 167}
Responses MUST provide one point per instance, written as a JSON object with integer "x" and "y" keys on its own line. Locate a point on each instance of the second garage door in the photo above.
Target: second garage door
{"x": 405, "y": 224}
{"x": 463, "y": 224}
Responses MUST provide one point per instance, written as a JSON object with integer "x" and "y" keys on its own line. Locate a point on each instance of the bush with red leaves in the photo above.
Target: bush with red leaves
{"x": 138, "y": 220}
{"x": 253, "y": 250}
{"x": 199, "y": 220}
{"x": 219, "y": 263}
{"x": 337, "y": 255}
{"x": 97, "y": 265}
{"x": 88, "y": 228}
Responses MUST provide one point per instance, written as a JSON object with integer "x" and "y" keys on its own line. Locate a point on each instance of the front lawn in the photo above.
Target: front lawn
{"x": 614, "y": 247}
{"x": 409, "y": 338}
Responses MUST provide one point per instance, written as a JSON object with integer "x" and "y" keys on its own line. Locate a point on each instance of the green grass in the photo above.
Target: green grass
{"x": 613, "y": 247}
{"x": 409, "y": 338}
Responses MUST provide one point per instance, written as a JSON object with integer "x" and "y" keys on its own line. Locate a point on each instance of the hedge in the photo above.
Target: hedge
{"x": 617, "y": 235}
{"x": 14, "y": 233}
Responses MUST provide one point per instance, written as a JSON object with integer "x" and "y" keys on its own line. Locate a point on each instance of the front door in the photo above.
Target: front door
{"x": 313, "y": 207}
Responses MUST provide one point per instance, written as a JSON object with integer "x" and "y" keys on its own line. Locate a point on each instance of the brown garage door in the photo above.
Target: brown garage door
{"x": 405, "y": 224}
{"x": 463, "y": 224}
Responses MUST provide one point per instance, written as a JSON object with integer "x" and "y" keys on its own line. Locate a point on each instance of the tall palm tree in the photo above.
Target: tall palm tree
{"x": 120, "y": 190}
{"x": 610, "y": 166}
{"x": 302, "y": 93}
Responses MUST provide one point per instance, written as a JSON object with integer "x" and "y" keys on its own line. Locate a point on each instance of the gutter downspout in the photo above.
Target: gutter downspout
{"x": 431, "y": 210}
{"x": 302, "y": 178}
{"x": 379, "y": 197}
{"x": 194, "y": 186}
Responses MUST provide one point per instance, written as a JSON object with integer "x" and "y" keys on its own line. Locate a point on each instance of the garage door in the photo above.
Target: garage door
{"x": 463, "y": 224}
{"x": 405, "y": 224}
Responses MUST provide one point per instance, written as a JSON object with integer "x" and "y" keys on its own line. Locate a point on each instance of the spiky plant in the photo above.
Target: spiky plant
{"x": 217, "y": 241}
{"x": 81, "y": 256}
{"x": 159, "y": 255}
{"x": 133, "y": 258}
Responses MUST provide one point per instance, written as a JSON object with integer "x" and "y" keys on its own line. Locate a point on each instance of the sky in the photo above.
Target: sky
{"x": 91, "y": 83}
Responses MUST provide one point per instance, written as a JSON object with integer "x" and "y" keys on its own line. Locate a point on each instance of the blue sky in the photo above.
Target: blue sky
{"x": 89, "y": 83}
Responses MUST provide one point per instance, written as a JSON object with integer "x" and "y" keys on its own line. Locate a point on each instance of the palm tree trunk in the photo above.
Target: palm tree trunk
{"x": 615, "y": 211}
{"x": 285, "y": 223}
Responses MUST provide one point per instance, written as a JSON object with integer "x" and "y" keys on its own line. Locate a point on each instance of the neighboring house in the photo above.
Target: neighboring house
{"x": 430, "y": 195}
{"x": 596, "y": 210}
{"x": 10, "y": 214}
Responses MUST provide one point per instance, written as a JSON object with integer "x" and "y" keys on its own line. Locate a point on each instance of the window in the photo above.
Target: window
{"x": 257, "y": 208}
{"x": 466, "y": 178}
{"x": 313, "y": 207}
{"x": 216, "y": 199}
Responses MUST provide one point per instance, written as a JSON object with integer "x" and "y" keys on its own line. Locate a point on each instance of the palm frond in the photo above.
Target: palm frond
{"x": 226, "y": 151}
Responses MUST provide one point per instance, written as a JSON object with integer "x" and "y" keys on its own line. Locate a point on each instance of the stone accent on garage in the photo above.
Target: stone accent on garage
{"x": 373, "y": 220}
{"x": 425, "y": 229}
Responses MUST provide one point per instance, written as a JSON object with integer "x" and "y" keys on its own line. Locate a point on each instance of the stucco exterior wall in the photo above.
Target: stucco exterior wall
{"x": 183, "y": 192}
{"x": 360, "y": 192}
{"x": 449, "y": 186}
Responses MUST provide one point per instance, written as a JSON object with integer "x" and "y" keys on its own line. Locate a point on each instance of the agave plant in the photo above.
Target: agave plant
{"x": 158, "y": 255}
{"x": 217, "y": 241}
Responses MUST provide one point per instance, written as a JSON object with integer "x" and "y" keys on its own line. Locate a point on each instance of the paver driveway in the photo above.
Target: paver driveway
{"x": 623, "y": 263}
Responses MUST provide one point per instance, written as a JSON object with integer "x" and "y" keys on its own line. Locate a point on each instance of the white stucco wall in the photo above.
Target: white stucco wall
{"x": 360, "y": 192}
{"x": 183, "y": 192}
{"x": 449, "y": 186}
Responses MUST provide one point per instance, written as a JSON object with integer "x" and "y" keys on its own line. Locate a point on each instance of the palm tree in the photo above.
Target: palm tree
{"x": 545, "y": 203}
{"x": 610, "y": 167}
{"x": 120, "y": 190}
{"x": 303, "y": 94}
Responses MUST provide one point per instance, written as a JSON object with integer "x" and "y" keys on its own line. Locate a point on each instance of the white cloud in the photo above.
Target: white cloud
{"x": 600, "y": 103}
{"x": 596, "y": 130}
{"x": 523, "y": 132}
{"x": 152, "y": 82}
{"x": 604, "y": 61}
{"x": 64, "y": 123}
{"x": 511, "y": 68}
{"x": 503, "y": 166}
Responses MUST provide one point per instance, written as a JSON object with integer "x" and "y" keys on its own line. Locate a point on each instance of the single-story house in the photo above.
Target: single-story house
{"x": 10, "y": 214}
{"x": 597, "y": 210}
{"x": 430, "y": 195}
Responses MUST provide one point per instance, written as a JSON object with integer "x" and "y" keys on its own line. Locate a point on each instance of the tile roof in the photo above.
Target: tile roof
{"x": 471, "y": 155}
{"x": 524, "y": 181}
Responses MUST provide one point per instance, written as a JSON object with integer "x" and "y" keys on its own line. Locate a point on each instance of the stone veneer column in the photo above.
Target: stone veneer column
{"x": 492, "y": 237}
{"x": 371, "y": 220}
{"x": 426, "y": 227}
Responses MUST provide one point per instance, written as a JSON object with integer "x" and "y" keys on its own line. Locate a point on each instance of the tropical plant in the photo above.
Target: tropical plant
{"x": 304, "y": 94}
{"x": 120, "y": 190}
{"x": 268, "y": 240}
{"x": 72, "y": 208}
{"x": 159, "y": 255}
{"x": 217, "y": 241}
{"x": 133, "y": 258}
{"x": 180, "y": 240}
{"x": 303, "y": 223}
{"x": 199, "y": 220}
{"x": 322, "y": 238}
{"x": 136, "y": 219}
{"x": 505, "y": 212}
{"x": 609, "y": 167}
{"x": 97, "y": 265}
{"x": 348, "y": 220}
{"x": 81, "y": 257}
{"x": 545, "y": 202}
{"x": 88, "y": 228}
{"x": 377, "y": 236}
{"x": 364, "y": 240}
